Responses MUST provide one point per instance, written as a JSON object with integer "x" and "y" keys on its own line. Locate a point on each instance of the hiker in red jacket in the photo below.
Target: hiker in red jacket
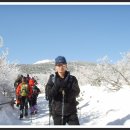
{"x": 33, "y": 96}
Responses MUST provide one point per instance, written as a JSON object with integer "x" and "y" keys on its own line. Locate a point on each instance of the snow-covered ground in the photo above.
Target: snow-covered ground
{"x": 97, "y": 107}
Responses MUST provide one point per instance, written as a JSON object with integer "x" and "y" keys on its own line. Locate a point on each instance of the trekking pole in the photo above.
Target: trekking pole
{"x": 31, "y": 109}
{"x": 49, "y": 116}
{"x": 80, "y": 112}
{"x": 19, "y": 110}
{"x": 19, "y": 107}
{"x": 49, "y": 112}
{"x": 63, "y": 93}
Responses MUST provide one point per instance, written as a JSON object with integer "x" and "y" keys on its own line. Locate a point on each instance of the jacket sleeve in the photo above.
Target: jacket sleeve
{"x": 18, "y": 90}
{"x": 75, "y": 88}
{"x": 51, "y": 90}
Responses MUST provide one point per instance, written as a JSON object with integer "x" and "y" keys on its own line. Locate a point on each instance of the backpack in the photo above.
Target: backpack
{"x": 24, "y": 90}
{"x": 35, "y": 90}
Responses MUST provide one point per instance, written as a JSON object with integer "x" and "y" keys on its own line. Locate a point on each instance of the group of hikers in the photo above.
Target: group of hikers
{"x": 26, "y": 95}
{"x": 61, "y": 91}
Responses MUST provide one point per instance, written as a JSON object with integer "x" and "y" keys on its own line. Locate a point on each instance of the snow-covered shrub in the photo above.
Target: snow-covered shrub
{"x": 8, "y": 74}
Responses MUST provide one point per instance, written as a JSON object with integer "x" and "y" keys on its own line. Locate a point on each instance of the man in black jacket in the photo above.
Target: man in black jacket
{"x": 62, "y": 90}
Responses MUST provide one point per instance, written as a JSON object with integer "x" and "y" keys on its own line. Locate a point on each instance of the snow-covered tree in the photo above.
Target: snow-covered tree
{"x": 124, "y": 68}
{"x": 8, "y": 74}
{"x": 111, "y": 75}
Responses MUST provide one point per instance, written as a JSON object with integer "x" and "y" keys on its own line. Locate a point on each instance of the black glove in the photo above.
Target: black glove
{"x": 66, "y": 89}
{"x": 61, "y": 89}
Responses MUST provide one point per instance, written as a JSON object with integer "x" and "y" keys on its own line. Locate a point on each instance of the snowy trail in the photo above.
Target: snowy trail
{"x": 11, "y": 116}
{"x": 97, "y": 108}
{"x": 41, "y": 118}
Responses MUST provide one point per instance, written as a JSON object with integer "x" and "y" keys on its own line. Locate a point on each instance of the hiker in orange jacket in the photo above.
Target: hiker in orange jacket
{"x": 22, "y": 92}
{"x": 16, "y": 83}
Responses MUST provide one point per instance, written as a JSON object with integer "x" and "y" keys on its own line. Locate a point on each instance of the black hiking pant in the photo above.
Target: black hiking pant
{"x": 23, "y": 106}
{"x": 70, "y": 120}
{"x": 33, "y": 100}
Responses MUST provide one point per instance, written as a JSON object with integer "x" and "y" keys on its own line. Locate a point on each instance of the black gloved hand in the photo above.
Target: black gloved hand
{"x": 61, "y": 89}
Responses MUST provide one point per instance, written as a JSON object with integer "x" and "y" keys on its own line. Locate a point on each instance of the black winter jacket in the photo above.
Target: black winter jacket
{"x": 54, "y": 91}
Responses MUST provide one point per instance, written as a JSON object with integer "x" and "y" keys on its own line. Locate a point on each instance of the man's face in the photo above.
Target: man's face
{"x": 61, "y": 68}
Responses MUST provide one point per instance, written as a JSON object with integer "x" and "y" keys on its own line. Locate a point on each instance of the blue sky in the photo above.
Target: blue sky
{"x": 78, "y": 32}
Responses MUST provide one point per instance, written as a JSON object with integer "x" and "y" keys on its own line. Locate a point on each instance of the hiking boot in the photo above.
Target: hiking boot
{"x": 21, "y": 116}
{"x": 26, "y": 114}
{"x": 35, "y": 112}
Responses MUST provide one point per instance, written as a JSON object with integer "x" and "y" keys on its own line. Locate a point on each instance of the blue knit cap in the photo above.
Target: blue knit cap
{"x": 60, "y": 60}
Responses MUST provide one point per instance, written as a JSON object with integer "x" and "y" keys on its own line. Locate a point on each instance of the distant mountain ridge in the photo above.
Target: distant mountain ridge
{"x": 43, "y": 70}
{"x": 47, "y": 66}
